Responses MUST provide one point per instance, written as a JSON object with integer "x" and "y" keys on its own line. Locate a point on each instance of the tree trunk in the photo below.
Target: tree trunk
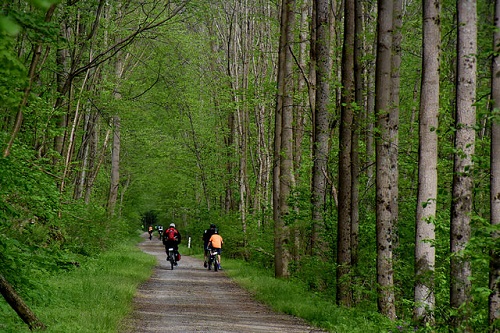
{"x": 115, "y": 166}
{"x": 321, "y": 124}
{"x": 462, "y": 192}
{"x": 93, "y": 166}
{"x": 72, "y": 137}
{"x": 302, "y": 107}
{"x": 344, "y": 291}
{"x": 359, "y": 74}
{"x": 283, "y": 177}
{"x": 384, "y": 168}
{"x": 369, "y": 115}
{"x": 397, "y": 37}
{"x": 425, "y": 252}
{"x": 494, "y": 298}
{"x": 63, "y": 62}
{"x": 16, "y": 302}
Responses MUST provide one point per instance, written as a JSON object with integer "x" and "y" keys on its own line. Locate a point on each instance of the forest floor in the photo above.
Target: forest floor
{"x": 192, "y": 299}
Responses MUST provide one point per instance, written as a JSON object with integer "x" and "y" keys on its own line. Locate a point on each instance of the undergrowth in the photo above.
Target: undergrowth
{"x": 292, "y": 297}
{"x": 92, "y": 298}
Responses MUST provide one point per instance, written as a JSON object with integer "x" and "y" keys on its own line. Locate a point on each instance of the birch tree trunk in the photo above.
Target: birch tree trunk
{"x": 462, "y": 192}
{"x": 494, "y": 298}
{"x": 425, "y": 252}
{"x": 384, "y": 168}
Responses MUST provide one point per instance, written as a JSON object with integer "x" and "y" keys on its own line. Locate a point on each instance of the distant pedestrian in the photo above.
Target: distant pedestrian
{"x": 150, "y": 231}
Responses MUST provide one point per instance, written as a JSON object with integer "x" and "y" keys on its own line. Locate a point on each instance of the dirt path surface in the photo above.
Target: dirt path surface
{"x": 192, "y": 299}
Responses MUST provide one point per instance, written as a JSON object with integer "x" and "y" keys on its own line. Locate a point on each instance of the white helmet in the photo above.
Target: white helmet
{"x": 172, "y": 225}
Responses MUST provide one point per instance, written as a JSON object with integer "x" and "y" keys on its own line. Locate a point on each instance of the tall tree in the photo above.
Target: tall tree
{"x": 425, "y": 252}
{"x": 384, "y": 168}
{"x": 462, "y": 191}
{"x": 359, "y": 97}
{"x": 283, "y": 177}
{"x": 344, "y": 293}
{"x": 397, "y": 37}
{"x": 494, "y": 298}
{"x": 321, "y": 134}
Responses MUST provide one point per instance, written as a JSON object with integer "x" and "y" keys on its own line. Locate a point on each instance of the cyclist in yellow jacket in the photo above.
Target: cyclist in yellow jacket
{"x": 215, "y": 242}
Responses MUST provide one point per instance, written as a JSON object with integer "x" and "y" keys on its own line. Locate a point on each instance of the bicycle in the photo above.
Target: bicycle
{"x": 213, "y": 259}
{"x": 171, "y": 257}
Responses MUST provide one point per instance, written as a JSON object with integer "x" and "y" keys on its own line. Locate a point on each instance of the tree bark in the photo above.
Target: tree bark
{"x": 359, "y": 81}
{"x": 16, "y": 302}
{"x": 344, "y": 291}
{"x": 283, "y": 177}
{"x": 115, "y": 167}
{"x": 321, "y": 124}
{"x": 494, "y": 298}
{"x": 462, "y": 191}
{"x": 397, "y": 37}
{"x": 425, "y": 252}
{"x": 384, "y": 168}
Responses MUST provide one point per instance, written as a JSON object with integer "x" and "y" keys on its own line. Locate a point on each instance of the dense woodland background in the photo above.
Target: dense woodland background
{"x": 325, "y": 139}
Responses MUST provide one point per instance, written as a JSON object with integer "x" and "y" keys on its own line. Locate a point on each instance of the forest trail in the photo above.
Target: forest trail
{"x": 192, "y": 299}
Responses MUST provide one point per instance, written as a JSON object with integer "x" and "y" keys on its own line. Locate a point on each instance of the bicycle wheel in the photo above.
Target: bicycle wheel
{"x": 216, "y": 264}
{"x": 171, "y": 258}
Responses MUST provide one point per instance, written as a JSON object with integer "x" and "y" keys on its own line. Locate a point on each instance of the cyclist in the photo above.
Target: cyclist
{"x": 172, "y": 239}
{"x": 215, "y": 242}
{"x": 206, "y": 237}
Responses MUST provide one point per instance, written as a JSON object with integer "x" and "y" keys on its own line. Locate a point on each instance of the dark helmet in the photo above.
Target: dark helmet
{"x": 212, "y": 226}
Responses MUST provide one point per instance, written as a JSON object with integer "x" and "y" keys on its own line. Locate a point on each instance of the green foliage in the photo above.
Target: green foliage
{"x": 177, "y": 159}
{"x": 13, "y": 76}
{"x": 37, "y": 228}
{"x": 292, "y": 297}
{"x": 93, "y": 298}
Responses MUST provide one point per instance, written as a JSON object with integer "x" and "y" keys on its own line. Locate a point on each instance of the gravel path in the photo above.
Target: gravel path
{"x": 192, "y": 299}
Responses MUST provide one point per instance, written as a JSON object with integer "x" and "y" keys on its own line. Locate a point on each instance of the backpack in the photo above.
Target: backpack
{"x": 171, "y": 235}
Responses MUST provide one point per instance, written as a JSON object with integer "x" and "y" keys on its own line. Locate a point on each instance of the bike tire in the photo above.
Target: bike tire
{"x": 210, "y": 262}
{"x": 171, "y": 259}
{"x": 216, "y": 265}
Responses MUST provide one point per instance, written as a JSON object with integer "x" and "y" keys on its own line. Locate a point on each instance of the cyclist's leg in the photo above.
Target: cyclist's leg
{"x": 205, "y": 257}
